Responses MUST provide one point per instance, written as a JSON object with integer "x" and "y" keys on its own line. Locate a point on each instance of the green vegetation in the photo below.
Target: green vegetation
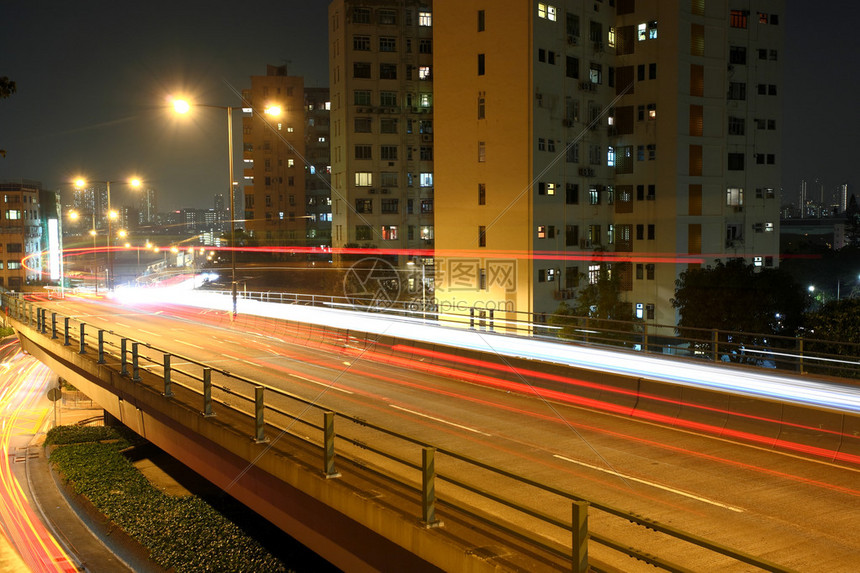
{"x": 6, "y": 331}
{"x": 181, "y": 533}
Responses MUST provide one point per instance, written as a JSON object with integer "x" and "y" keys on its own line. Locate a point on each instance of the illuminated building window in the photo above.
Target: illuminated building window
{"x": 389, "y": 232}
{"x": 424, "y": 73}
{"x": 593, "y": 274}
{"x": 541, "y": 232}
{"x": 610, "y": 156}
{"x": 425, "y": 99}
{"x": 738, "y": 19}
{"x": 364, "y": 206}
{"x": 426, "y": 232}
{"x": 425, "y": 19}
{"x": 735, "y": 196}
{"x": 291, "y": 162}
{"x": 547, "y": 12}
{"x": 482, "y": 152}
{"x": 426, "y": 179}
{"x": 363, "y": 178}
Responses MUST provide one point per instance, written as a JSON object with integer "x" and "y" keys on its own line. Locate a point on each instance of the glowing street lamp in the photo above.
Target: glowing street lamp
{"x": 182, "y": 107}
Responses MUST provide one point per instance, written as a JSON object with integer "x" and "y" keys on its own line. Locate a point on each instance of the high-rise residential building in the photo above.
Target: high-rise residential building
{"x": 147, "y": 205}
{"x": 570, "y": 134}
{"x": 21, "y": 233}
{"x": 273, "y": 154}
{"x": 318, "y": 156}
{"x": 381, "y": 76}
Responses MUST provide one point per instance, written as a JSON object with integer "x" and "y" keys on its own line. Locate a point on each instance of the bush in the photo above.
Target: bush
{"x": 181, "y": 533}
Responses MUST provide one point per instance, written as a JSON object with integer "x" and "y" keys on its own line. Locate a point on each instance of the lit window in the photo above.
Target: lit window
{"x": 363, "y": 178}
{"x": 550, "y": 188}
{"x": 426, "y": 232}
{"x": 541, "y": 232}
{"x": 768, "y": 227}
{"x": 593, "y": 274}
{"x": 389, "y": 232}
{"x": 424, "y": 73}
{"x": 652, "y": 30}
{"x": 643, "y": 32}
{"x": 547, "y": 12}
{"x": 758, "y": 261}
{"x": 611, "y": 38}
{"x": 290, "y": 129}
{"x": 610, "y": 157}
{"x": 13, "y": 214}
{"x": 426, "y": 179}
{"x": 321, "y": 139}
{"x": 425, "y": 19}
{"x": 735, "y": 196}
{"x": 291, "y": 162}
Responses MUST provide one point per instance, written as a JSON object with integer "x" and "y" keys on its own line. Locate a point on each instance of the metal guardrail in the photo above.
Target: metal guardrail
{"x": 271, "y": 410}
{"x": 784, "y": 353}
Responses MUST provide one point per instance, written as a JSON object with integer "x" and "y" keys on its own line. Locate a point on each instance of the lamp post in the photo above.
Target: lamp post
{"x": 80, "y": 183}
{"x": 182, "y": 106}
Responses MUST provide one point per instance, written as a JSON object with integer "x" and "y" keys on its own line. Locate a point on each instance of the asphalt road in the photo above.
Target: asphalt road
{"x": 798, "y": 512}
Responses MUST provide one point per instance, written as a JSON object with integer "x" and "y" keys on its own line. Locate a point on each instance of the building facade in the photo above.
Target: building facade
{"x": 381, "y": 76}
{"x": 318, "y": 177}
{"x": 21, "y": 234}
{"x": 572, "y": 134}
{"x": 273, "y": 135}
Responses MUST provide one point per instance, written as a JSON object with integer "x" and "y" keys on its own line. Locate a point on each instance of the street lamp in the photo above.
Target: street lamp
{"x": 182, "y": 106}
{"x": 80, "y": 183}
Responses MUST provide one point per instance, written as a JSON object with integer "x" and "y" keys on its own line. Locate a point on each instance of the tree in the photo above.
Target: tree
{"x": 837, "y": 320}
{"x": 852, "y": 221}
{"x": 734, "y": 297}
{"x": 7, "y": 88}
{"x": 602, "y": 299}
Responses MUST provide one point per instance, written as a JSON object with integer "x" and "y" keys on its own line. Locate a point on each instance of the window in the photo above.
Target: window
{"x": 593, "y": 196}
{"x": 361, "y": 43}
{"x": 362, "y": 125}
{"x": 386, "y": 44}
{"x": 572, "y": 67}
{"x": 572, "y": 153}
{"x": 547, "y": 11}
{"x": 541, "y": 144}
{"x": 426, "y": 206}
{"x": 390, "y": 206}
{"x": 361, "y": 97}
{"x": 482, "y": 236}
{"x": 364, "y": 205}
{"x": 652, "y": 30}
{"x": 738, "y": 18}
{"x": 594, "y": 157}
{"x": 481, "y": 20}
{"x": 363, "y": 151}
{"x": 652, "y": 71}
{"x": 426, "y": 232}
{"x": 361, "y": 15}
{"x": 572, "y": 24}
{"x": 361, "y": 70}
{"x": 388, "y": 99}
{"x": 387, "y": 17}
{"x": 610, "y": 156}
{"x": 640, "y": 232}
{"x": 482, "y": 194}
{"x": 12, "y": 214}
{"x": 389, "y": 232}
{"x": 737, "y": 55}
{"x": 482, "y": 105}
{"x": 425, "y": 46}
{"x": 426, "y": 179}
{"x": 481, "y": 67}
{"x": 425, "y": 19}
{"x": 482, "y": 152}
{"x": 652, "y": 151}
{"x": 388, "y": 152}
{"x": 736, "y": 161}
{"x": 737, "y": 91}
{"x": 387, "y": 72}
{"x": 595, "y": 73}
{"x": 571, "y": 194}
{"x": 388, "y": 179}
{"x": 735, "y": 196}
{"x": 13, "y": 265}
{"x": 388, "y": 125}
{"x": 426, "y": 153}
{"x": 571, "y": 235}
{"x": 651, "y": 232}
{"x": 652, "y": 111}
{"x": 363, "y": 178}
{"x": 736, "y": 126}
{"x": 424, "y": 73}
{"x": 593, "y": 274}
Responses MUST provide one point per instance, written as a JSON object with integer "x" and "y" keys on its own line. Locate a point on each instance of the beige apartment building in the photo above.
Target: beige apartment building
{"x": 381, "y": 71}
{"x": 641, "y": 134}
{"x": 273, "y": 136}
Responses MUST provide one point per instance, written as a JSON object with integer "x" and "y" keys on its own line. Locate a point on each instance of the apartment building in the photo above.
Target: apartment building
{"x": 21, "y": 233}
{"x": 381, "y": 71}
{"x": 318, "y": 180}
{"x": 570, "y": 134}
{"x": 273, "y": 136}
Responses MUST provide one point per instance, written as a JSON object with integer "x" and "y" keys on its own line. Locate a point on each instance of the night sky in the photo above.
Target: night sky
{"x": 93, "y": 77}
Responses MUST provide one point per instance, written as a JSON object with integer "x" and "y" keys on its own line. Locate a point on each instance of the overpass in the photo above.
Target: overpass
{"x": 376, "y": 501}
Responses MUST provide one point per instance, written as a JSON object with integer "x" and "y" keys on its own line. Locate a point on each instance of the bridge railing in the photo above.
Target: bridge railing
{"x": 551, "y": 519}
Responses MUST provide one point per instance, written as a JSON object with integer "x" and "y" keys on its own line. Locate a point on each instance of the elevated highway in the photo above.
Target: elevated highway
{"x": 517, "y": 444}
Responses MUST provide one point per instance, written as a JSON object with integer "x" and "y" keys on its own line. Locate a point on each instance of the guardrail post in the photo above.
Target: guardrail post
{"x": 30, "y": 314}
{"x": 715, "y": 343}
{"x": 428, "y": 488}
{"x": 168, "y": 391}
{"x": 207, "y": 393}
{"x": 135, "y": 371}
{"x": 123, "y": 346}
{"x": 101, "y": 346}
{"x": 800, "y": 354}
{"x": 260, "y": 434}
{"x": 53, "y": 325}
{"x": 83, "y": 346}
{"x": 44, "y": 321}
{"x": 66, "y": 329}
{"x": 580, "y": 536}
{"x": 38, "y": 320}
{"x": 328, "y": 440}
